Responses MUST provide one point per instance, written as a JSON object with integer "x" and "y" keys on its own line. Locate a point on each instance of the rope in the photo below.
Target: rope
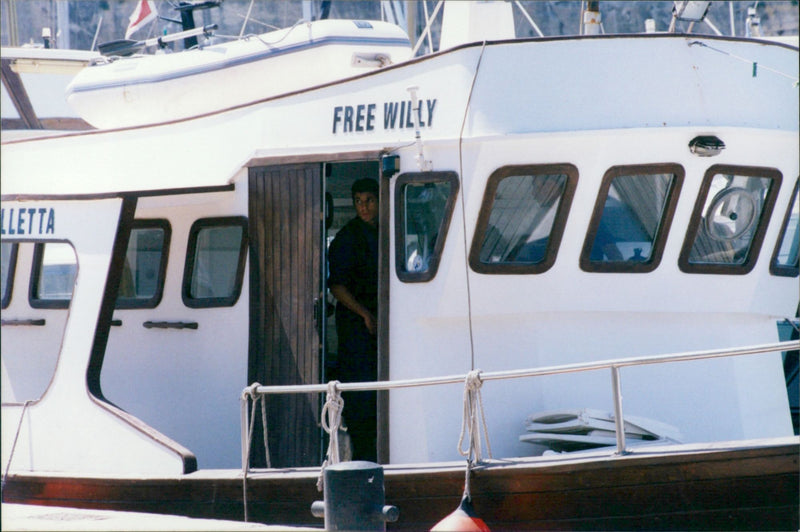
{"x": 755, "y": 64}
{"x": 251, "y": 392}
{"x": 331, "y": 423}
{"x": 470, "y": 425}
{"x": 14, "y": 445}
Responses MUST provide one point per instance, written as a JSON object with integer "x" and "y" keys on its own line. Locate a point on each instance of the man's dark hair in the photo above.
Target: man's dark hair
{"x": 364, "y": 185}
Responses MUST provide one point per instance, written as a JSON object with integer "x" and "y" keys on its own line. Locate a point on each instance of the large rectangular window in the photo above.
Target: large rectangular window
{"x": 423, "y": 205}
{"x": 729, "y": 220}
{"x": 55, "y": 268}
{"x": 142, "y": 282}
{"x": 785, "y": 259}
{"x": 215, "y": 262}
{"x": 631, "y": 218}
{"x": 522, "y": 218}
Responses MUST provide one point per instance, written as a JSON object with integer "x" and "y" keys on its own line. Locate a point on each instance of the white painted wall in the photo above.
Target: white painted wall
{"x": 184, "y": 383}
{"x": 566, "y": 315}
{"x": 89, "y": 438}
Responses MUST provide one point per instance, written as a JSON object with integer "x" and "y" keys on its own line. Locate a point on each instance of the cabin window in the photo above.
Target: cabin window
{"x": 631, "y": 218}
{"x": 729, "y": 220}
{"x": 53, "y": 278}
{"x": 215, "y": 262}
{"x": 522, "y": 219}
{"x": 9, "y": 265}
{"x": 785, "y": 259}
{"x": 423, "y": 205}
{"x": 142, "y": 281}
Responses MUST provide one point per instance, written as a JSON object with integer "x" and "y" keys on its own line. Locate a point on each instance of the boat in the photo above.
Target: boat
{"x": 122, "y": 91}
{"x": 567, "y": 226}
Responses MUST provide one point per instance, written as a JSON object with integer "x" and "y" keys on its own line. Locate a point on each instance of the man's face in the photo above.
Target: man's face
{"x": 366, "y": 205}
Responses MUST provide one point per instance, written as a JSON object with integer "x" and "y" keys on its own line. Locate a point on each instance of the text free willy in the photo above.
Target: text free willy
{"x": 396, "y": 115}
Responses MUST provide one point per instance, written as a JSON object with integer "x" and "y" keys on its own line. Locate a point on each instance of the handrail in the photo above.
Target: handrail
{"x": 614, "y": 365}
{"x": 256, "y": 390}
{"x": 532, "y": 372}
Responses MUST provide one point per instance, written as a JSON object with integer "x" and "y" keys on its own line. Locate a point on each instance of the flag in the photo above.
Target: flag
{"x": 145, "y": 13}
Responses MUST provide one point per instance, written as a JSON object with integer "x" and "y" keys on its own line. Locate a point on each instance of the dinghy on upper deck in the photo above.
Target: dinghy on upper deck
{"x": 145, "y": 89}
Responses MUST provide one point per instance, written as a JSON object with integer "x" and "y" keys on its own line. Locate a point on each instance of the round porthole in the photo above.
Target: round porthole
{"x": 731, "y": 213}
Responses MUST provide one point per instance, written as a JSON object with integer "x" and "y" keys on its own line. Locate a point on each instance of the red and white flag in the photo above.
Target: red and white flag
{"x": 144, "y": 14}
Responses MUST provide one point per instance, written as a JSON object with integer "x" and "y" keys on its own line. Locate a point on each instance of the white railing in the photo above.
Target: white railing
{"x": 257, "y": 391}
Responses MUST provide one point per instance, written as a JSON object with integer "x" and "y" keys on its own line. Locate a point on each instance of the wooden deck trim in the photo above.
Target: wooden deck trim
{"x": 744, "y": 487}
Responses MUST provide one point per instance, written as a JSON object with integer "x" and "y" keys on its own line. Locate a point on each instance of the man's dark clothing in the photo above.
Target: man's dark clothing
{"x": 353, "y": 260}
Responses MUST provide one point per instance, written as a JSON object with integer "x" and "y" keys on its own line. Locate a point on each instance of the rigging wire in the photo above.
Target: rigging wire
{"x": 427, "y": 30}
{"x": 463, "y": 204}
{"x": 246, "y": 18}
{"x": 755, "y": 64}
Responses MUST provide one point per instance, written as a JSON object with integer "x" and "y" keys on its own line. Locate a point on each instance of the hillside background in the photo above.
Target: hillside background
{"x": 82, "y": 24}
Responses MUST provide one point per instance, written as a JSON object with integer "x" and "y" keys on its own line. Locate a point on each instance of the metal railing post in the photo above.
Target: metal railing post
{"x": 618, "y": 419}
{"x": 245, "y": 451}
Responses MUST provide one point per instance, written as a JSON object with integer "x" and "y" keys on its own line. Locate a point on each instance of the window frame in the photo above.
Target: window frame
{"x": 416, "y": 178}
{"x": 781, "y": 269}
{"x": 191, "y": 249}
{"x": 659, "y": 239}
{"x": 758, "y": 236}
{"x": 125, "y": 303}
{"x": 556, "y": 232}
{"x": 36, "y": 271}
{"x": 12, "y": 270}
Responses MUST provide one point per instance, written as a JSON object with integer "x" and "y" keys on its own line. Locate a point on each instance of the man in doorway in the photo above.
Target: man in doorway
{"x": 353, "y": 281}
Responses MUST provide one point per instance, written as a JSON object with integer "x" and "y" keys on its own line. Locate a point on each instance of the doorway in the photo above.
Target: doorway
{"x": 294, "y": 213}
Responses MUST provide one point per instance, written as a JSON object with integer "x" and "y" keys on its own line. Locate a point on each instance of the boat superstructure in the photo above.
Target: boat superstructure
{"x": 545, "y": 203}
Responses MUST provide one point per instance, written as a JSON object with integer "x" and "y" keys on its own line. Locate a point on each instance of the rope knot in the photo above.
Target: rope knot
{"x": 251, "y": 391}
{"x": 473, "y": 418}
{"x": 331, "y": 422}
{"x": 473, "y": 381}
{"x": 332, "y": 412}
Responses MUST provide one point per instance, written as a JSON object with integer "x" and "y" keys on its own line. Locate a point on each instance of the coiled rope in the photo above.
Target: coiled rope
{"x": 474, "y": 416}
{"x": 331, "y": 423}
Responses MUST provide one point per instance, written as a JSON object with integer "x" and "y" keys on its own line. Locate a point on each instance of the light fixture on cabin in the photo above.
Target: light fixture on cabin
{"x": 706, "y": 145}
{"x": 390, "y": 165}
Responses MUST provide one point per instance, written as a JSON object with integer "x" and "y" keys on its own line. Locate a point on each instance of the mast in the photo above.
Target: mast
{"x": 591, "y": 21}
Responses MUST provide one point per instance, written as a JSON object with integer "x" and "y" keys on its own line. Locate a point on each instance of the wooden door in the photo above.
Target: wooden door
{"x": 285, "y": 217}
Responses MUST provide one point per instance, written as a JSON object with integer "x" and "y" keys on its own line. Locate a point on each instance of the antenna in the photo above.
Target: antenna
{"x": 422, "y": 164}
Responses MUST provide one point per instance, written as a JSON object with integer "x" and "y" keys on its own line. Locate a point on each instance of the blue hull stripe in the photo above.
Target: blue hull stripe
{"x": 250, "y": 58}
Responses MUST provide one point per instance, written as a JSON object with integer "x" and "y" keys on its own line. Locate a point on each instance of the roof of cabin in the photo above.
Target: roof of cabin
{"x": 529, "y": 86}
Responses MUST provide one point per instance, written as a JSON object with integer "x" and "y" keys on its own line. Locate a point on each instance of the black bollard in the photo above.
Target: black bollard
{"x": 354, "y": 498}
